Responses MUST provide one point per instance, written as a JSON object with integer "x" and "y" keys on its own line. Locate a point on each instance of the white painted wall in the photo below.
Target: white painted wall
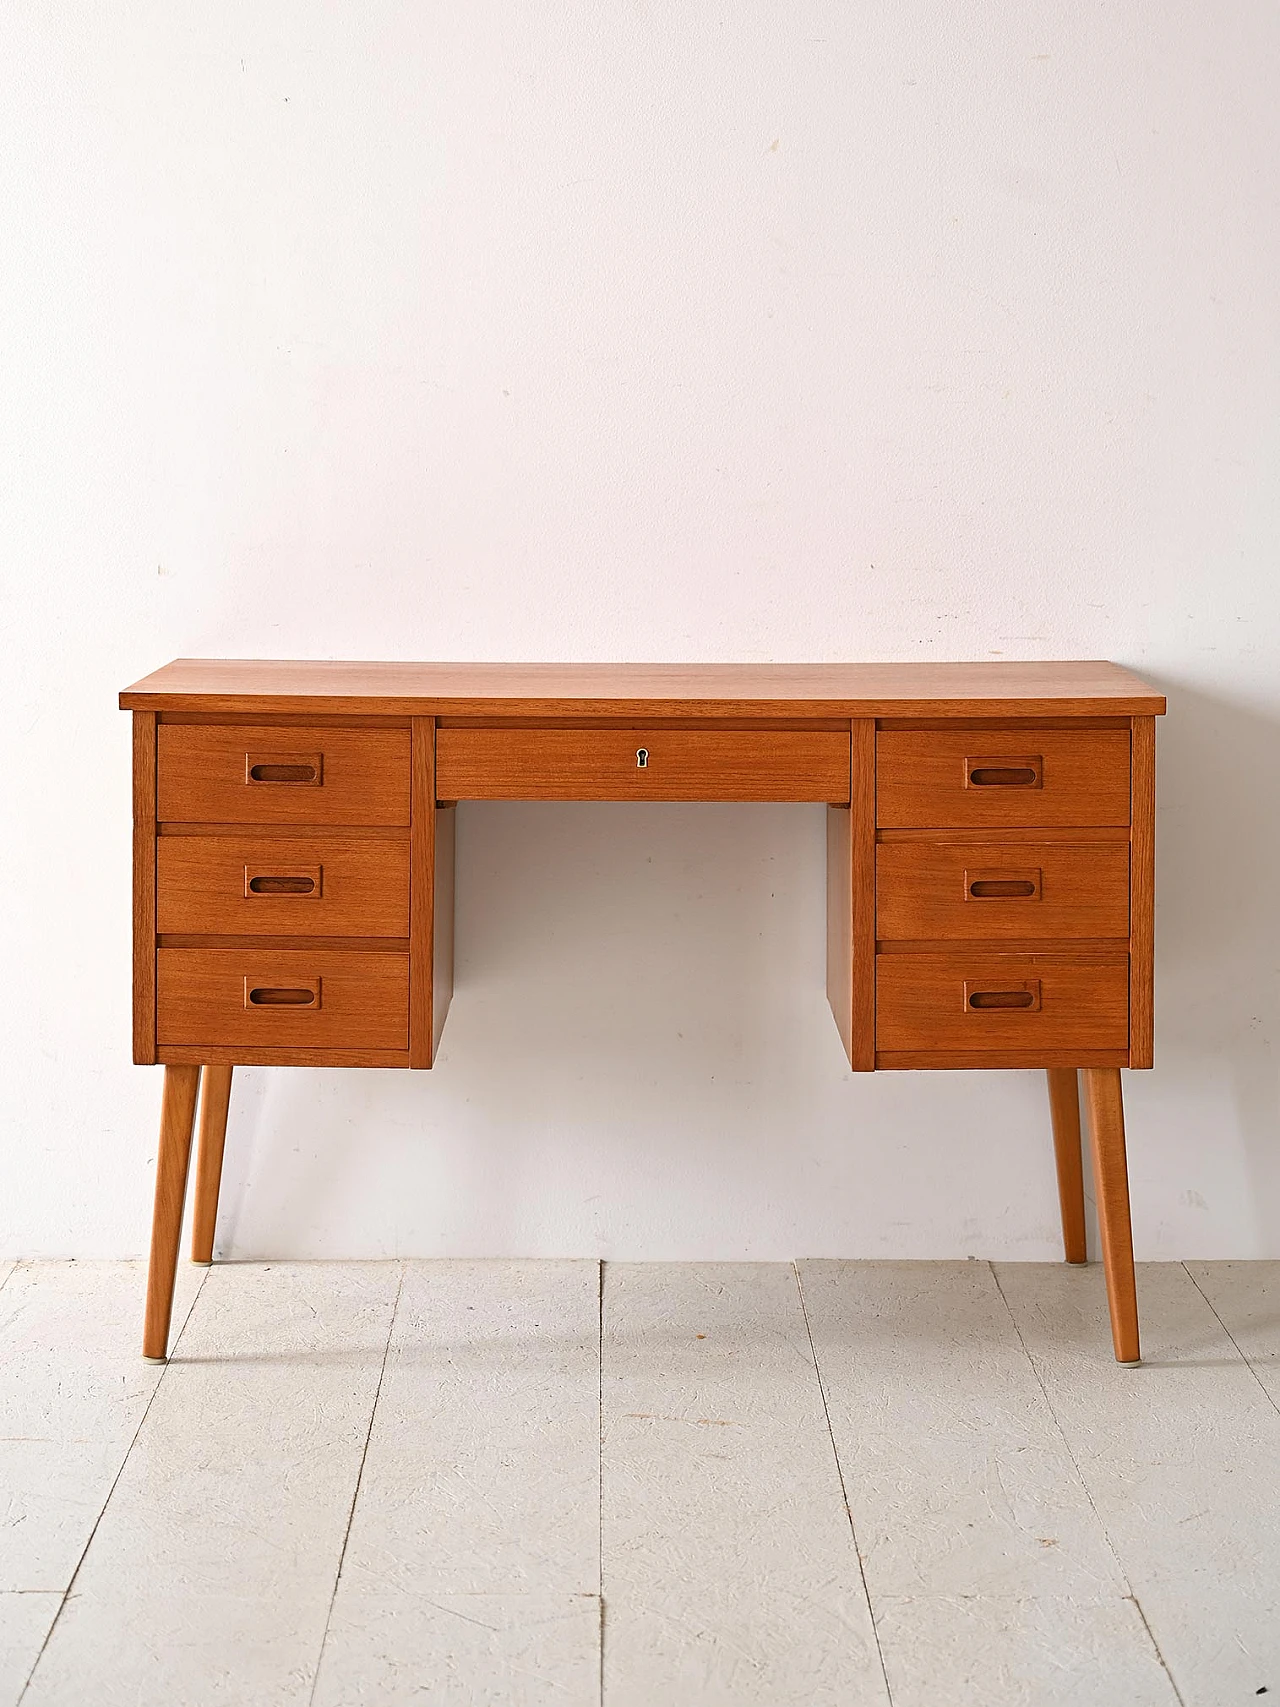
{"x": 653, "y": 330}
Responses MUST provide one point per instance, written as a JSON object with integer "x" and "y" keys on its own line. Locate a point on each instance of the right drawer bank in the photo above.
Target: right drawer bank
{"x": 1002, "y": 896}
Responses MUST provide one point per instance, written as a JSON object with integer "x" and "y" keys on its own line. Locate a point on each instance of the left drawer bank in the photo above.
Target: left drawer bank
{"x": 282, "y": 893}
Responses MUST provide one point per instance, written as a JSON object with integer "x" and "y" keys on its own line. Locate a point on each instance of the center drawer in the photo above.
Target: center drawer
{"x": 282, "y": 998}
{"x": 243, "y": 885}
{"x": 927, "y": 891}
{"x": 643, "y": 764}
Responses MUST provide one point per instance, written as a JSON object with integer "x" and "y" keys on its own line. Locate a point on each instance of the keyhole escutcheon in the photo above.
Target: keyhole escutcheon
{"x": 642, "y": 758}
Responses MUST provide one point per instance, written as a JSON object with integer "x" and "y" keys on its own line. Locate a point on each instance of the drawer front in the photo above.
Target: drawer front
{"x": 1007, "y": 1001}
{"x": 299, "y": 886}
{"x": 944, "y": 779}
{"x": 283, "y": 998}
{"x": 241, "y": 774}
{"x": 642, "y": 764}
{"x": 982, "y": 890}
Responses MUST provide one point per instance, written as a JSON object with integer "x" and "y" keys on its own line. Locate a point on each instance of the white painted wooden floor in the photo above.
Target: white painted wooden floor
{"x": 664, "y": 1484}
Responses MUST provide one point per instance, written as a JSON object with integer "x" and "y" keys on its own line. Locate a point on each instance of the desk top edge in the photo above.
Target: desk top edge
{"x": 915, "y": 689}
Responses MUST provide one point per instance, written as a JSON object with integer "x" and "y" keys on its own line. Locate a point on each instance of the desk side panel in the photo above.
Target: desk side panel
{"x": 144, "y": 887}
{"x": 431, "y": 852}
{"x": 422, "y": 861}
{"x": 446, "y": 820}
{"x": 1142, "y": 895}
{"x": 851, "y": 937}
{"x": 840, "y": 924}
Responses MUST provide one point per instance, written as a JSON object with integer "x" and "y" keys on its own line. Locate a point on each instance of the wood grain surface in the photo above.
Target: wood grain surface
{"x": 840, "y": 927}
{"x": 642, "y": 763}
{"x": 922, "y": 777}
{"x": 920, "y": 1002}
{"x": 144, "y": 887}
{"x": 279, "y": 1055}
{"x": 1105, "y": 1097}
{"x": 222, "y": 885}
{"x": 364, "y": 775}
{"x": 362, "y": 1003}
{"x": 645, "y": 690}
{"x": 1143, "y": 864}
{"x": 851, "y": 944}
{"x": 862, "y": 873}
{"x": 215, "y": 1101}
{"x": 431, "y": 886}
{"x": 925, "y": 891}
{"x": 1064, "y": 1114}
{"x": 442, "y": 892}
{"x": 177, "y": 1118}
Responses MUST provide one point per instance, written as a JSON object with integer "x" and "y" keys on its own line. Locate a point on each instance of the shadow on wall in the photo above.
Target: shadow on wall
{"x": 629, "y": 978}
{"x": 1218, "y": 933}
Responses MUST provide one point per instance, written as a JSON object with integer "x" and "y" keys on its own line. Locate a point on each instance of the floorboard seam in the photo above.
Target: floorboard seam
{"x": 1244, "y": 1356}
{"x": 1088, "y": 1492}
{"x": 844, "y": 1492}
{"x": 600, "y": 1471}
{"x": 1146, "y": 1625}
{"x": 133, "y": 1441}
{"x": 355, "y": 1492}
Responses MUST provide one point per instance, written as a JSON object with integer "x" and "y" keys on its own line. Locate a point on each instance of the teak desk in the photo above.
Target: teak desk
{"x": 990, "y": 869}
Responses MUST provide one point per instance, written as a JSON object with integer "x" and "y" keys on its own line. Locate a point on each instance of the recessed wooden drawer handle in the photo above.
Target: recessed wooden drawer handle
{"x": 307, "y": 883}
{"x": 1023, "y": 996}
{"x": 306, "y": 769}
{"x": 1004, "y": 773}
{"x": 282, "y": 995}
{"x": 1002, "y": 885}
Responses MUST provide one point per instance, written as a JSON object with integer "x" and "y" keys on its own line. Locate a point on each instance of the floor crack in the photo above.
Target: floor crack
{"x": 115, "y": 1480}
{"x": 355, "y": 1492}
{"x": 1088, "y": 1491}
{"x": 844, "y": 1492}
{"x": 600, "y": 1465}
{"x": 1244, "y": 1356}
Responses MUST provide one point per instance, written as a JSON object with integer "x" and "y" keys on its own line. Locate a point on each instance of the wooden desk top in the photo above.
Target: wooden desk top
{"x": 645, "y": 690}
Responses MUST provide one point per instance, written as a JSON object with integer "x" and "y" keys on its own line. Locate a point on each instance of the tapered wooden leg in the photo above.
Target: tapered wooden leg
{"x": 1111, "y": 1181}
{"x": 177, "y": 1116}
{"x": 215, "y": 1096}
{"x": 1064, "y": 1110}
